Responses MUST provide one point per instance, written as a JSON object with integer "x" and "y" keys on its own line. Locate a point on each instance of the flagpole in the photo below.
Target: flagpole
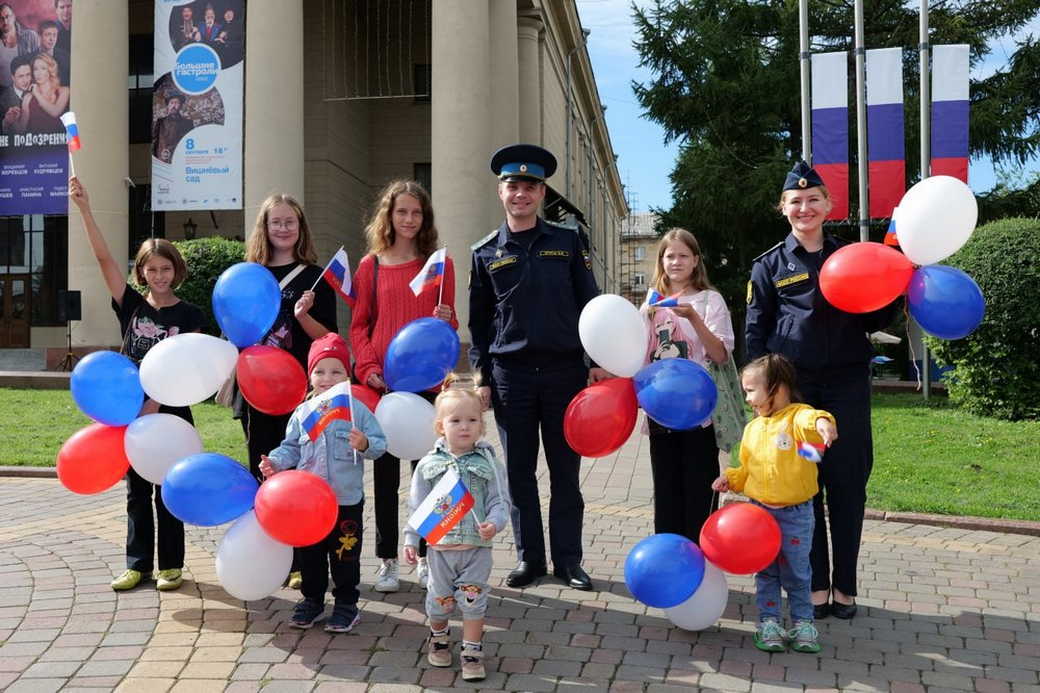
{"x": 926, "y": 155}
{"x": 350, "y": 396}
{"x": 440, "y": 287}
{"x": 72, "y": 164}
{"x": 318, "y": 280}
{"x": 861, "y": 124}
{"x": 803, "y": 59}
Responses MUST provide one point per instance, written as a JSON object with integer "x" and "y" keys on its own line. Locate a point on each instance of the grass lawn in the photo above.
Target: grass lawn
{"x": 930, "y": 457}
{"x": 34, "y": 424}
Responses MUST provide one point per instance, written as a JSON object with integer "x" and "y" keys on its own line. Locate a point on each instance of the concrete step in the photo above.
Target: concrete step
{"x": 23, "y": 360}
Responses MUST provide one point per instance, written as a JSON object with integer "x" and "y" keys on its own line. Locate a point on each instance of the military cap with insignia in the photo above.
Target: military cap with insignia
{"x": 802, "y": 176}
{"x": 523, "y": 162}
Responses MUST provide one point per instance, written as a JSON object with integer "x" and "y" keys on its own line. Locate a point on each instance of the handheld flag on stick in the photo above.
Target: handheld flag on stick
{"x": 325, "y": 408}
{"x": 811, "y": 451}
{"x": 68, "y": 119}
{"x": 652, "y": 297}
{"x": 669, "y": 302}
{"x": 337, "y": 274}
{"x": 445, "y": 506}
{"x": 431, "y": 274}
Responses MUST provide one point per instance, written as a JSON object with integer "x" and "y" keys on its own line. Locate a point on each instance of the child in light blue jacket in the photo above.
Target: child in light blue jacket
{"x": 460, "y": 561}
{"x": 335, "y": 455}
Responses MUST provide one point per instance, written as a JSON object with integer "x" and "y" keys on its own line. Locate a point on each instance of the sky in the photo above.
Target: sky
{"x": 644, "y": 160}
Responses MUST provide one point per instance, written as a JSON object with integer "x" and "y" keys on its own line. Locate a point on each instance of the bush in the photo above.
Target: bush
{"x": 206, "y": 259}
{"x": 995, "y": 367}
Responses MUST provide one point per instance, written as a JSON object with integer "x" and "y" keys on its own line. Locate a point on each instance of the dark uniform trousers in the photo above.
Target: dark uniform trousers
{"x": 845, "y": 393}
{"x": 141, "y": 523}
{"x": 340, "y": 553}
{"x": 528, "y": 397}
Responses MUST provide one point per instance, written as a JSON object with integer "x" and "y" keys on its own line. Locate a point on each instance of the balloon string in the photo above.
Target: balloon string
{"x": 910, "y": 342}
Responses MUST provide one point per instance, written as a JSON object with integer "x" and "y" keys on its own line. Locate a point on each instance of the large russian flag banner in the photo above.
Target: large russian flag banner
{"x": 885, "y": 148}
{"x": 950, "y": 109}
{"x": 830, "y": 127}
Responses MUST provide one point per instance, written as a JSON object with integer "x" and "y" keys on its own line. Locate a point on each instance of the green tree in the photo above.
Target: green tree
{"x": 726, "y": 85}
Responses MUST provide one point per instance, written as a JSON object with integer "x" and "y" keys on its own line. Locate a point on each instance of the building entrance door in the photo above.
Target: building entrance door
{"x": 14, "y": 310}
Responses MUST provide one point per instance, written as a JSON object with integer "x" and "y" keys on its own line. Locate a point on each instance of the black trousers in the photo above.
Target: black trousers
{"x": 141, "y": 523}
{"x": 528, "y": 398}
{"x": 684, "y": 464}
{"x": 844, "y": 472}
{"x": 386, "y": 483}
{"x": 340, "y": 554}
{"x": 263, "y": 434}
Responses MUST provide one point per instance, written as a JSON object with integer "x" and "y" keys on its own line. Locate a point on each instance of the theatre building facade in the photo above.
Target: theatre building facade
{"x": 338, "y": 98}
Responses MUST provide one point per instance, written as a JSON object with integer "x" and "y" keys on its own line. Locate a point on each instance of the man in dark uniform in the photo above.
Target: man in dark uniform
{"x": 788, "y": 314}
{"x": 529, "y": 281}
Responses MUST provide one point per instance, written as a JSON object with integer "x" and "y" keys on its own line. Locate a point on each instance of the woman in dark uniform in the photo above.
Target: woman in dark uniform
{"x": 787, "y": 314}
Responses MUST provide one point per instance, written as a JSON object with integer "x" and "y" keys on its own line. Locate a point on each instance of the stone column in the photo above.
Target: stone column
{"x": 461, "y": 133}
{"x": 274, "y": 103}
{"x": 100, "y": 99}
{"x": 529, "y": 83}
{"x": 505, "y": 97}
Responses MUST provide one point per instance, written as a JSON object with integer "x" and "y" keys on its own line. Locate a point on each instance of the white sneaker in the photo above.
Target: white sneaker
{"x": 387, "y": 580}
{"x": 422, "y": 572}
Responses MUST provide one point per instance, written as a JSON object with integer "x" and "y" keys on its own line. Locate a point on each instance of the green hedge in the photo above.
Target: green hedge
{"x": 995, "y": 367}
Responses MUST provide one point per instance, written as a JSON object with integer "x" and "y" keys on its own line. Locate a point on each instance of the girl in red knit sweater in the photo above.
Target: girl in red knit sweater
{"x": 401, "y": 236}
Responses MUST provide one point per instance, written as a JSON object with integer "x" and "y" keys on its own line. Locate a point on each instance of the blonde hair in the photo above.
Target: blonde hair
{"x": 380, "y": 229}
{"x": 258, "y": 246}
{"x": 699, "y": 278}
{"x": 450, "y": 394}
{"x": 159, "y": 247}
{"x": 783, "y": 196}
{"x": 52, "y": 70}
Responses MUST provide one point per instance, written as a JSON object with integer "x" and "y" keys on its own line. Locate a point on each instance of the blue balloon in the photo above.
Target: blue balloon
{"x": 107, "y": 387}
{"x": 420, "y": 355}
{"x": 676, "y": 393}
{"x": 664, "y": 570}
{"x": 945, "y": 301}
{"x": 246, "y": 301}
{"x": 208, "y": 489}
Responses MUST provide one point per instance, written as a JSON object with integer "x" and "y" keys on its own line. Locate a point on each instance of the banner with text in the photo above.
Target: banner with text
{"x": 197, "y": 104}
{"x": 35, "y": 45}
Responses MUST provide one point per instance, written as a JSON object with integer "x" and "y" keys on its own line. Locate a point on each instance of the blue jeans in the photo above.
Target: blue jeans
{"x": 791, "y": 569}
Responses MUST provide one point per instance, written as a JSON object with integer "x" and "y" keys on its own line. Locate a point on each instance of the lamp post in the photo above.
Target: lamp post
{"x": 190, "y": 227}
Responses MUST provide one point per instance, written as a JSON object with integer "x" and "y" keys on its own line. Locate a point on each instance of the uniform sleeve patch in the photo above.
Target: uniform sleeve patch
{"x": 750, "y": 291}
{"x": 499, "y": 264}
{"x": 588, "y": 262}
{"x": 560, "y": 254}
{"x": 793, "y": 279}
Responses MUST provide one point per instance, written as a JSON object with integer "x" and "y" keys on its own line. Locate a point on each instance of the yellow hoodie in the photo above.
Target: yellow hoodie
{"x": 771, "y": 471}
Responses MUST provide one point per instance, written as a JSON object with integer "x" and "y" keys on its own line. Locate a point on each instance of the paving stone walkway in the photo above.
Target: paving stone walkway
{"x": 941, "y": 610}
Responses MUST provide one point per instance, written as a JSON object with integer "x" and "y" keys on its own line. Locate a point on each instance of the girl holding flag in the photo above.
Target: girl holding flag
{"x": 693, "y": 322}
{"x": 402, "y": 278}
{"x": 325, "y": 435}
{"x": 460, "y": 501}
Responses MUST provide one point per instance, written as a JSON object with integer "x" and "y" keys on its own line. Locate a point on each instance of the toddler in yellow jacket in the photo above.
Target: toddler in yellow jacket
{"x": 777, "y": 472}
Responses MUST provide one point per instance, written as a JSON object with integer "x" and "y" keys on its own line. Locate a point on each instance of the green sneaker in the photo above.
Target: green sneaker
{"x": 169, "y": 579}
{"x": 804, "y": 637}
{"x": 127, "y": 581}
{"x": 769, "y": 636}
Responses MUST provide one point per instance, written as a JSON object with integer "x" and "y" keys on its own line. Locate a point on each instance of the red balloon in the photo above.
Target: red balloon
{"x": 93, "y": 459}
{"x": 862, "y": 277}
{"x": 740, "y": 538}
{"x": 296, "y": 507}
{"x": 271, "y": 379}
{"x": 365, "y": 395}
{"x": 601, "y": 417}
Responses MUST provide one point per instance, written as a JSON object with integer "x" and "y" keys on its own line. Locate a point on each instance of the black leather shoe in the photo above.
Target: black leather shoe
{"x": 574, "y": 577}
{"x": 821, "y": 611}
{"x": 843, "y": 611}
{"x": 524, "y": 574}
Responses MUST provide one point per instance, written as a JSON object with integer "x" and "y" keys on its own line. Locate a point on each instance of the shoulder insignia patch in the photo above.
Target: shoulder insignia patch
{"x": 483, "y": 241}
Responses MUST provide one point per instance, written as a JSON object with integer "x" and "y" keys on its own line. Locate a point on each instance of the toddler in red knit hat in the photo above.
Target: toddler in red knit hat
{"x": 325, "y": 436}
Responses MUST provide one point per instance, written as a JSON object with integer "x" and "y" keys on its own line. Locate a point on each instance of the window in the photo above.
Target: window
{"x": 638, "y": 280}
{"x": 36, "y": 247}
{"x": 421, "y": 80}
{"x": 640, "y": 253}
{"x": 140, "y": 85}
{"x": 423, "y": 174}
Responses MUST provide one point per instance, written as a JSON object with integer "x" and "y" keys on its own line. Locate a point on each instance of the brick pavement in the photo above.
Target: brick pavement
{"x": 941, "y": 610}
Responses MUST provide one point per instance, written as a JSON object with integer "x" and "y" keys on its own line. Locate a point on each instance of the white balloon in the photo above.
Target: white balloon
{"x": 155, "y": 442}
{"x": 936, "y": 218}
{"x": 613, "y": 334}
{"x": 407, "y": 422}
{"x": 705, "y": 605}
{"x": 250, "y": 564}
{"x": 187, "y": 368}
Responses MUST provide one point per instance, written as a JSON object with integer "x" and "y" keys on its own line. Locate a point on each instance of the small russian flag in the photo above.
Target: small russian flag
{"x": 445, "y": 506}
{"x": 337, "y": 274}
{"x": 68, "y": 119}
{"x": 431, "y": 274}
{"x": 652, "y": 297}
{"x": 811, "y": 451}
{"x": 669, "y": 302}
{"x": 890, "y": 235}
{"x": 327, "y": 407}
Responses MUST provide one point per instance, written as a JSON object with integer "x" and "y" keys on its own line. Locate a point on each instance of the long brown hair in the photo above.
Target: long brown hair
{"x": 380, "y": 229}
{"x": 699, "y": 278}
{"x": 258, "y": 247}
